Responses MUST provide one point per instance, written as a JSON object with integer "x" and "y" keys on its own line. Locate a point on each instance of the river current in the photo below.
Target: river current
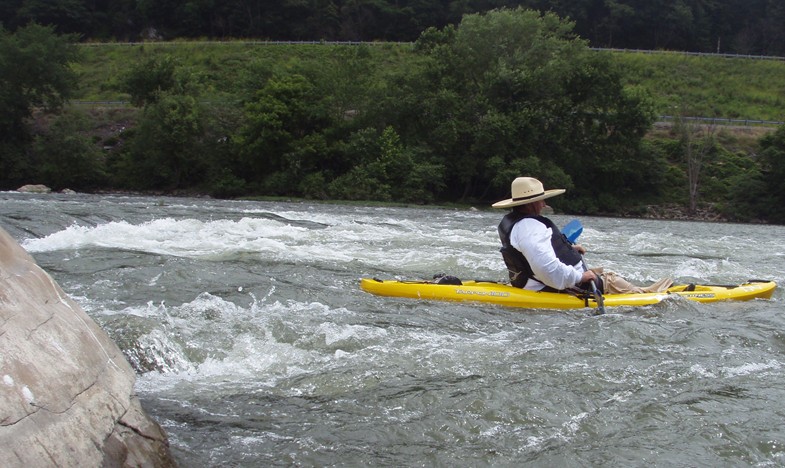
{"x": 254, "y": 345}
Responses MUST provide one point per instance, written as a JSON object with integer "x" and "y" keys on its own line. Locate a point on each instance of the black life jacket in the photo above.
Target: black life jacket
{"x": 517, "y": 265}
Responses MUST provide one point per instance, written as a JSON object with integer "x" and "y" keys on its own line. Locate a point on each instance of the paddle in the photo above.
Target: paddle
{"x": 572, "y": 230}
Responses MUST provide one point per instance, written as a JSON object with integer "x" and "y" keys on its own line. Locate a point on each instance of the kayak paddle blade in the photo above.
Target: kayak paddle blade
{"x": 573, "y": 230}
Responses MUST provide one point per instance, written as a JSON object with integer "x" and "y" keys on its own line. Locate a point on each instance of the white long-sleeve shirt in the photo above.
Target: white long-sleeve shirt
{"x": 533, "y": 239}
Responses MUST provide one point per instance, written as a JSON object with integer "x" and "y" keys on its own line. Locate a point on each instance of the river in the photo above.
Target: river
{"x": 254, "y": 345}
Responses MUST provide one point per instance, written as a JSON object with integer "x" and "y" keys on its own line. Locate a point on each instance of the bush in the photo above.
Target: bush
{"x": 67, "y": 157}
{"x": 167, "y": 150}
{"x": 226, "y": 185}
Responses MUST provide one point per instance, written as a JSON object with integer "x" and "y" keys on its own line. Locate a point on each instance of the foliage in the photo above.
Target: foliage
{"x": 730, "y": 88}
{"x": 35, "y": 64}
{"x": 150, "y": 77}
{"x": 166, "y": 152}
{"x": 745, "y": 27}
{"x": 387, "y": 171}
{"x": 453, "y": 118}
{"x": 283, "y": 135}
{"x": 710, "y": 86}
{"x": 698, "y": 146}
{"x": 67, "y": 157}
{"x": 518, "y": 90}
{"x": 770, "y": 193}
{"x": 736, "y": 183}
{"x": 34, "y": 73}
{"x": 221, "y": 158}
{"x": 665, "y": 154}
{"x": 733, "y": 180}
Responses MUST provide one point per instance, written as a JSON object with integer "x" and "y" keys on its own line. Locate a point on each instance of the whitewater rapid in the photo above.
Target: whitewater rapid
{"x": 254, "y": 346}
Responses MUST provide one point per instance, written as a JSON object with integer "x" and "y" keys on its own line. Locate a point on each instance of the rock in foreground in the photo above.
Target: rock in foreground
{"x": 66, "y": 390}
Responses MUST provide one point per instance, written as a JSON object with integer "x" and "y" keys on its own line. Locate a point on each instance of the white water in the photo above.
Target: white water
{"x": 254, "y": 345}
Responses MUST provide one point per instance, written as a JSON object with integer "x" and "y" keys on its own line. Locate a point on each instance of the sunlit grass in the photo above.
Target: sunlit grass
{"x": 704, "y": 86}
{"x": 220, "y": 66}
{"x": 708, "y": 86}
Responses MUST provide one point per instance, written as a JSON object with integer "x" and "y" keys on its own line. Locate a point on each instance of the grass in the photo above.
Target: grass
{"x": 219, "y": 66}
{"x": 705, "y": 86}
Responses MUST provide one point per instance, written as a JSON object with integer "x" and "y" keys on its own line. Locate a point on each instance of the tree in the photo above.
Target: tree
{"x": 166, "y": 152}
{"x": 698, "y": 143}
{"x": 66, "y": 157}
{"x": 519, "y": 89}
{"x": 66, "y": 16}
{"x": 387, "y": 170}
{"x": 773, "y": 167}
{"x": 618, "y": 13}
{"x": 150, "y": 77}
{"x": 34, "y": 73}
{"x": 283, "y": 136}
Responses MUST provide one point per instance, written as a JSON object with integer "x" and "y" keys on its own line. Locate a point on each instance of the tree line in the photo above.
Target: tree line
{"x": 455, "y": 119}
{"x": 728, "y": 26}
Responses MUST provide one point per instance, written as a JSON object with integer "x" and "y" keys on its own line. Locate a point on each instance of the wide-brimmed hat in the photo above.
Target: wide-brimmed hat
{"x": 527, "y": 190}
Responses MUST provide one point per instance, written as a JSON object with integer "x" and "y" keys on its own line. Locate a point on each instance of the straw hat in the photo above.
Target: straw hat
{"x": 527, "y": 190}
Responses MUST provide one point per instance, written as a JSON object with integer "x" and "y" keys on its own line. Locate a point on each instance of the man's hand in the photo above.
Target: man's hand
{"x": 587, "y": 276}
{"x": 579, "y": 248}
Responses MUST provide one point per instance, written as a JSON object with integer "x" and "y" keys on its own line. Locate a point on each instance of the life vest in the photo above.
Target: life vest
{"x": 517, "y": 265}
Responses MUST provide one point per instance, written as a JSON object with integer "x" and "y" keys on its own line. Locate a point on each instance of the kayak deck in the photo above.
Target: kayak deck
{"x": 510, "y": 296}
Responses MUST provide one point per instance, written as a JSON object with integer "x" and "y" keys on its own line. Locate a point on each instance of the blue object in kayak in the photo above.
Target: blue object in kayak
{"x": 572, "y": 230}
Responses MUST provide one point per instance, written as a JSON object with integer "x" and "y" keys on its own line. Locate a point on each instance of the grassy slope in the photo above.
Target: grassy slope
{"x": 702, "y": 86}
{"x": 220, "y": 67}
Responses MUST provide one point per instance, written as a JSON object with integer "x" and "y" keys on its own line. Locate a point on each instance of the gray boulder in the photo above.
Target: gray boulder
{"x": 66, "y": 390}
{"x": 34, "y": 188}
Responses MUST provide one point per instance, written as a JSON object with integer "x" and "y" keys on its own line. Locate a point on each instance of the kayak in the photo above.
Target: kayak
{"x": 506, "y": 295}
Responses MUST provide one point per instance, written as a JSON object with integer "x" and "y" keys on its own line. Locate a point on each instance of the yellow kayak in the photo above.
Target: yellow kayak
{"x": 510, "y": 296}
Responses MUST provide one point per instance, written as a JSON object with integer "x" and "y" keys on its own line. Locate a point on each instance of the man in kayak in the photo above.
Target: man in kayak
{"x": 539, "y": 257}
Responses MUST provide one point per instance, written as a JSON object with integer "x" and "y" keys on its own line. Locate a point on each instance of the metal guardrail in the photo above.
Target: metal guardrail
{"x": 723, "y": 121}
{"x": 101, "y": 103}
{"x": 698, "y": 54}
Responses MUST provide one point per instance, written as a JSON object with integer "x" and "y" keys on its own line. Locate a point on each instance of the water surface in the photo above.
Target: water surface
{"x": 255, "y": 347}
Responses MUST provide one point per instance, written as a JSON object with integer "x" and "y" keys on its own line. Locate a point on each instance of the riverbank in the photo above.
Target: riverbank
{"x": 110, "y": 127}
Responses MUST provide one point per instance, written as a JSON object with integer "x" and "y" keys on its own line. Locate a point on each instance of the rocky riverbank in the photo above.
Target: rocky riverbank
{"x": 679, "y": 212}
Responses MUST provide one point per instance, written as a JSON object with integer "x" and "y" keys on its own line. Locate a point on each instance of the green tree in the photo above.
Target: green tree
{"x": 66, "y": 157}
{"x": 66, "y": 16}
{"x": 283, "y": 138}
{"x": 149, "y": 77}
{"x": 698, "y": 144}
{"x": 519, "y": 89}
{"x": 34, "y": 73}
{"x": 618, "y": 13}
{"x": 733, "y": 182}
{"x": 773, "y": 166}
{"x": 387, "y": 170}
{"x": 166, "y": 151}
{"x": 224, "y": 168}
